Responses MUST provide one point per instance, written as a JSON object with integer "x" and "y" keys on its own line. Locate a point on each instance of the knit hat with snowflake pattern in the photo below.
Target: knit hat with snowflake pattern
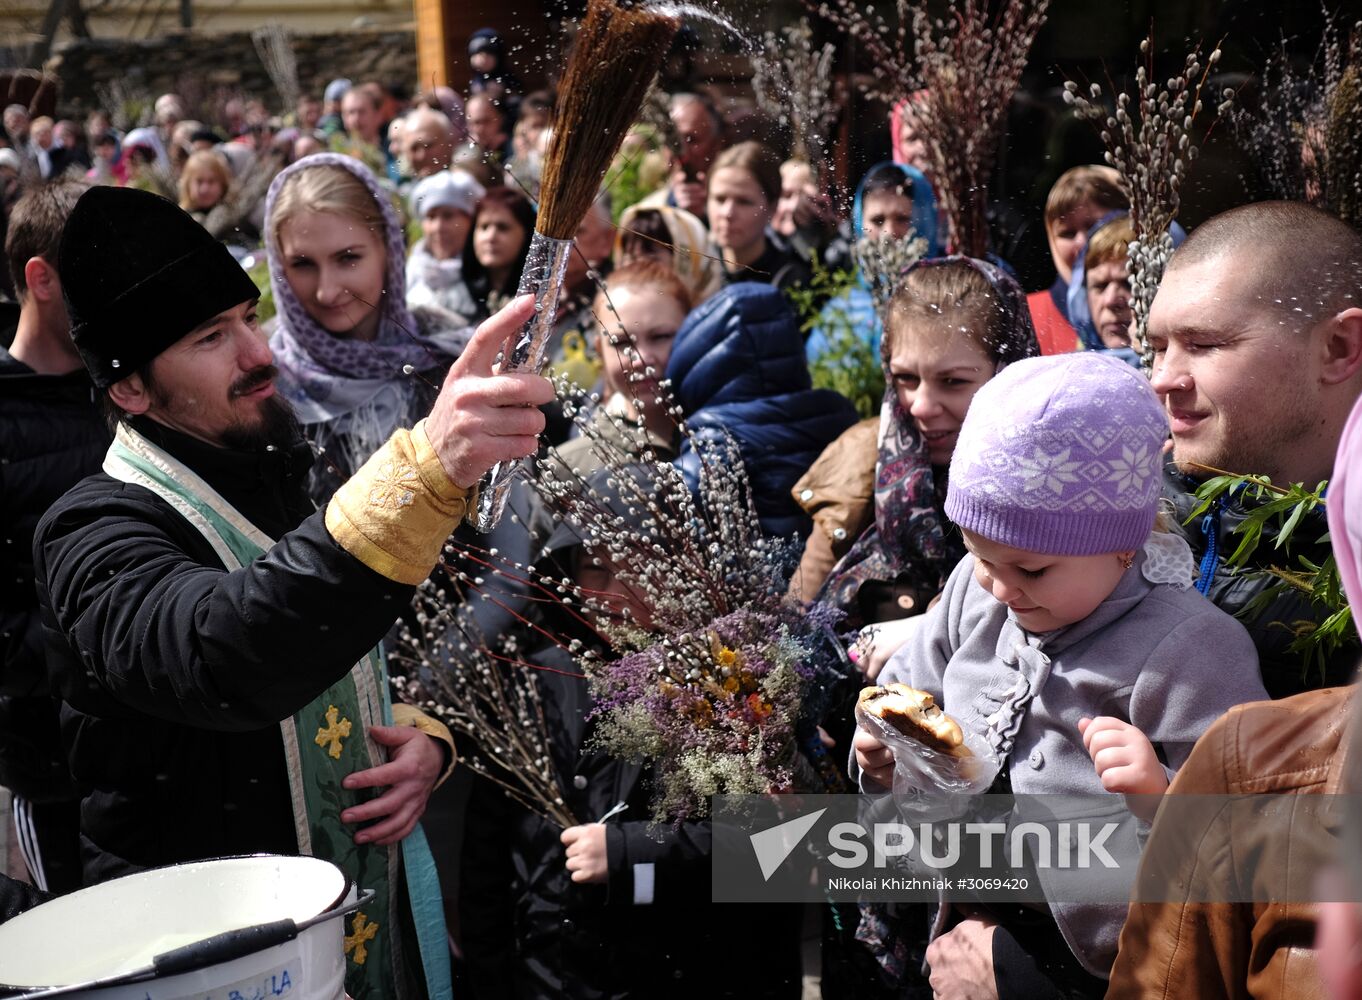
{"x": 1060, "y": 455}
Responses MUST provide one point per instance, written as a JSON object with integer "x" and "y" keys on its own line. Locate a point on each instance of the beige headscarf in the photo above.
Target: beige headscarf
{"x": 699, "y": 272}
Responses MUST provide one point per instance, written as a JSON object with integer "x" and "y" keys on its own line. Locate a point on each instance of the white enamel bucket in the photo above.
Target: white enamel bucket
{"x": 263, "y": 928}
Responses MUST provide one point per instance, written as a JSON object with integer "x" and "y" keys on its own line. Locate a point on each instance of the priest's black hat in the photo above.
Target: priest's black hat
{"x": 138, "y": 274}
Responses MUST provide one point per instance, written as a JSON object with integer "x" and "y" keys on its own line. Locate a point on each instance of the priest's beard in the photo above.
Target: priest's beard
{"x": 277, "y": 427}
{"x": 271, "y": 423}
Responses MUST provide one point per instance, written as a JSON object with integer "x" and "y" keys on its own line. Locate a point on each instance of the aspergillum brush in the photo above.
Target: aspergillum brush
{"x": 618, "y": 50}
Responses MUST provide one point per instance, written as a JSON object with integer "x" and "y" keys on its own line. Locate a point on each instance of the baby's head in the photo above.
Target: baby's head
{"x": 1055, "y": 483}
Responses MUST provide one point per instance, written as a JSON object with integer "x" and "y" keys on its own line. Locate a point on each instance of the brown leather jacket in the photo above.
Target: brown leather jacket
{"x": 838, "y": 492}
{"x": 1255, "y": 950}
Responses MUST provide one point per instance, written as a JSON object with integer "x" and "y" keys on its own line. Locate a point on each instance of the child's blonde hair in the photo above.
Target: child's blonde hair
{"x": 205, "y": 161}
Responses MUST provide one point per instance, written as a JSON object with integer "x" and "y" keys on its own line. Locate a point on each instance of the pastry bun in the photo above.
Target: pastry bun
{"x": 915, "y": 714}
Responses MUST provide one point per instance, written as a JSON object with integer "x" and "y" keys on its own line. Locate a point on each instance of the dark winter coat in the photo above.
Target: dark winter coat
{"x": 529, "y": 931}
{"x": 738, "y": 367}
{"x": 1284, "y": 673}
{"x": 779, "y": 265}
{"x": 52, "y": 435}
{"x": 175, "y": 673}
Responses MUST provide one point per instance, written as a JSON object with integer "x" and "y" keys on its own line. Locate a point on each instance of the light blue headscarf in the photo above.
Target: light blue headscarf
{"x": 924, "y": 205}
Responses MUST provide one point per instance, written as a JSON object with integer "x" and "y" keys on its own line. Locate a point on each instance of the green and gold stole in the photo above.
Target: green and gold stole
{"x": 323, "y": 742}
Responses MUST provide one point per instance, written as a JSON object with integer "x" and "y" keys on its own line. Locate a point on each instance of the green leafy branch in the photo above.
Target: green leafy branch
{"x": 848, "y": 365}
{"x": 1284, "y": 511}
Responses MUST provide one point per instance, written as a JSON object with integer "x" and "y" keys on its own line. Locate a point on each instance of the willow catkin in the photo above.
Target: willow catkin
{"x": 618, "y": 50}
{"x": 1343, "y": 134}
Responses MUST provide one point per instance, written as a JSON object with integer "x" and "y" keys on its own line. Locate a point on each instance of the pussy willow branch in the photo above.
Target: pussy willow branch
{"x": 793, "y": 84}
{"x": 1149, "y": 140}
{"x": 1302, "y": 131}
{"x": 960, "y": 72}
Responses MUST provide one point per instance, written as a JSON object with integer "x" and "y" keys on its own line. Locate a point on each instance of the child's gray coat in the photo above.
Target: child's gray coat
{"x": 1161, "y": 657}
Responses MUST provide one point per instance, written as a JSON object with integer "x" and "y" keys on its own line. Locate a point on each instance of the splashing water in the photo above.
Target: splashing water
{"x": 690, "y": 10}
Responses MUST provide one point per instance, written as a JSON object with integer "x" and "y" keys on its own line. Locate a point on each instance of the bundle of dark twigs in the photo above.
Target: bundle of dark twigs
{"x": 959, "y": 72}
{"x": 1305, "y": 129}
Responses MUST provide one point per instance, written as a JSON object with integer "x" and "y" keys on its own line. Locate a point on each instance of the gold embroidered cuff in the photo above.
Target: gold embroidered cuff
{"x": 395, "y": 513}
{"x": 410, "y": 715}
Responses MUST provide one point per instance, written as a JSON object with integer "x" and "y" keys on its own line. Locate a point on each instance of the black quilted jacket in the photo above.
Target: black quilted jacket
{"x": 174, "y": 673}
{"x": 51, "y": 436}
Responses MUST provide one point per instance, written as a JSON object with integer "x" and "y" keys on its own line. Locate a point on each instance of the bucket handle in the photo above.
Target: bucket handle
{"x": 214, "y": 950}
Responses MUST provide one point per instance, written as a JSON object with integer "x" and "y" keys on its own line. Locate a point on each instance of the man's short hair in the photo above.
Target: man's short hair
{"x": 497, "y": 106}
{"x": 35, "y": 226}
{"x": 1097, "y": 184}
{"x": 375, "y": 101}
{"x": 716, "y": 119}
{"x": 1305, "y": 263}
{"x": 422, "y": 115}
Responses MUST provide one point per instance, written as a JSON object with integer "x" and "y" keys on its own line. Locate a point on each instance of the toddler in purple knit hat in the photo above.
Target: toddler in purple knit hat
{"x": 1070, "y": 640}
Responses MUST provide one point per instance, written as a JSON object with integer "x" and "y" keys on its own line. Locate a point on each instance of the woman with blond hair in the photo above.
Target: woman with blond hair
{"x": 344, "y": 337}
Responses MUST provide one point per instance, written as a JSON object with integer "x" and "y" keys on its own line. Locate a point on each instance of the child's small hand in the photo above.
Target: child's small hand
{"x": 1124, "y": 759}
{"x": 877, "y": 643}
{"x": 875, "y": 760}
{"x": 586, "y": 852}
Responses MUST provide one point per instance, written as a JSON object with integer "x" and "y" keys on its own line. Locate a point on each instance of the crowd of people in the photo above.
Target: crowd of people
{"x": 222, "y": 482}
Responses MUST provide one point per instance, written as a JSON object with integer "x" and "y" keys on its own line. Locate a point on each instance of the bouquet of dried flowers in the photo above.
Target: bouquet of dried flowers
{"x": 713, "y": 676}
{"x": 720, "y": 678}
{"x": 719, "y": 711}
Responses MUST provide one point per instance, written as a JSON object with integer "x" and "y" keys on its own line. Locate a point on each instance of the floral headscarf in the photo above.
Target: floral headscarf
{"x": 699, "y": 272}
{"x": 910, "y": 539}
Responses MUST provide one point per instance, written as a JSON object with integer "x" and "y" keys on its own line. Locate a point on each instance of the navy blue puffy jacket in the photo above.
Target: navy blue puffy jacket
{"x": 738, "y": 366}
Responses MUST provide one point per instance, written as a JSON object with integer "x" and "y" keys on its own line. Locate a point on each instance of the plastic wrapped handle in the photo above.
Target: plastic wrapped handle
{"x": 543, "y": 278}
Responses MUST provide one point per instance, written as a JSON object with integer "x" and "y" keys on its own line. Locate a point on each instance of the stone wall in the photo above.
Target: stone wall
{"x": 204, "y": 67}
